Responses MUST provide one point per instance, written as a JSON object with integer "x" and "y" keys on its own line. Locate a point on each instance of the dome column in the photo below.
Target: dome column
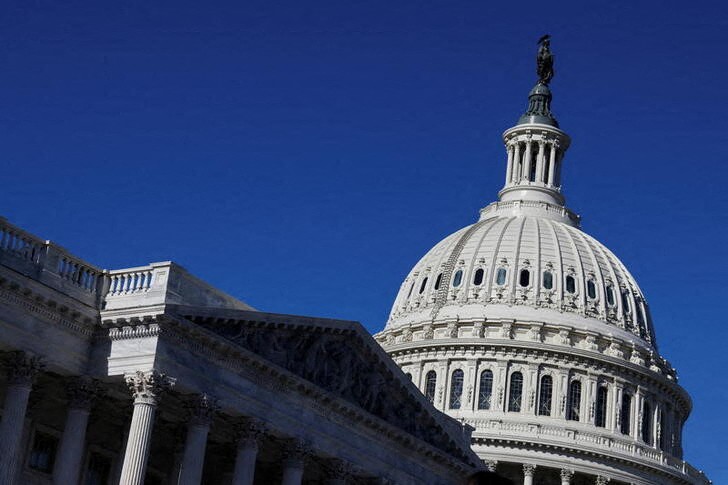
{"x": 517, "y": 163}
{"x": 540, "y": 161}
{"x": 552, "y": 163}
{"x": 566, "y": 476}
{"x": 527, "y": 161}
{"x": 528, "y": 471}
{"x": 509, "y": 168}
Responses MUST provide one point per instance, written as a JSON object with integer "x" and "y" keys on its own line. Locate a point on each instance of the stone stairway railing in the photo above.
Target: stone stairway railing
{"x": 154, "y": 284}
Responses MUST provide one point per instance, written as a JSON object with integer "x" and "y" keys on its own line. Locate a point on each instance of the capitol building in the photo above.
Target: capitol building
{"x": 518, "y": 344}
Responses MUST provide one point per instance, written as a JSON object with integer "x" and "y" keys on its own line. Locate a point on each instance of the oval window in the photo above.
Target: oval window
{"x": 438, "y": 281}
{"x": 500, "y": 276}
{"x": 422, "y": 286}
{"x": 458, "y": 278}
{"x": 610, "y": 295}
{"x": 525, "y": 277}
{"x": 591, "y": 289}
{"x": 478, "y": 279}
{"x": 548, "y": 280}
{"x": 570, "y": 284}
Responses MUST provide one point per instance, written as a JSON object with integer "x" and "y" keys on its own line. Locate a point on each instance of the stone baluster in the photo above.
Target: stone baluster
{"x": 22, "y": 371}
{"x": 82, "y": 393}
{"x": 147, "y": 389}
{"x": 338, "y": 472}
{"x": 249, "y": 432}
{"x": 509, "y": 166}
{"x": 566, "y": 476}
{"x": 201, "y": 412}
{"x": 517, "y": 164}
{"x": 602, "y": 480}
{"x": 528, "y": 471}
{"x": 294, "y": 457}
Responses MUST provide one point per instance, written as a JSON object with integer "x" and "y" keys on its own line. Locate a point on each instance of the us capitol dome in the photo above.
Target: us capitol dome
{"x": 537, "y": 336}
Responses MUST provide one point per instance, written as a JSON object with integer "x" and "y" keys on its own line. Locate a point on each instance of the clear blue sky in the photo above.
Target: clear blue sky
{"x": 303, "y": 155}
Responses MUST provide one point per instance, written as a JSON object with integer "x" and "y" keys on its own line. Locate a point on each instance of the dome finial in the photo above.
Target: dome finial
{"x": 539, "y": 99}
{"x": 544, "y": 60}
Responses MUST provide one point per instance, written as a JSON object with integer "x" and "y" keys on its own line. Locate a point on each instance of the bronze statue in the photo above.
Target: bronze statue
{"x": 544, "y": 60}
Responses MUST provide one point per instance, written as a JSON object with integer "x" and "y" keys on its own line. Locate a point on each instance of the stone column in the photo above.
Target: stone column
{"x": 509, "y": 166}
{"x": 81, "y": 394}
{"x": 147, "y": 389}
{"x": 294, "y": 457}
{"x": 22, "y": 371}
{"x": 517, "y": 164}
{"x": 248, "y": 432}
{"x": 528, "y": 472}
{"x": 527, "y": 162}
{"x": 338, "y": 472}
{"x": 602, "y": 480}
{"x": 201, "y": 412}
{"x": 566, "y": 476}
{"x": 540, "y": 162}
{"x": 552, "y": 163}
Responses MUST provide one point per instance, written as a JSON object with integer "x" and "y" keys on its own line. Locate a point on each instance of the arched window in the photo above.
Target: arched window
{"x": 625, "y": 302}
{"x": 524, "y": 278}
{"x": 570, "y": 284}
{"x": 663, "y": 430}
{"x": 626, "y": 414}
{"x": 486, "y": 389}
{"x": 574, "y": 401}
{"x": 438, "y": 281}
{"x": 591, "y": 289}
{"x": 458, "y": 278}
{"x": 456, "y": 389}
{"x": 544, "y": 396}
{"x": 548, "y": 280}
{"x": 422, "y": 286}
{"x": 430, "y": 383}
{"x": 646, "y": 431}
{"x": 640, "y": 320}
{"x": 500, "y": 276}
{"x": 600, "y": 411}
{"x": 610, "y": 295}
{"x": 412, "y": 287}
{"x": 515, "y": 394}
{"x": 478, "y": 278}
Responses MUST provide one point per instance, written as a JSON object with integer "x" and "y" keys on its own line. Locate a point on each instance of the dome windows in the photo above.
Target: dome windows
{"x": 478, "y": 278}
{"x": 515, "y": 393}
{"x": 486, "y": 389}
{"x": 438, "y": 280}
{"x": 626, "y": 414}
{"x": 600, "y": 409}
{"x": 570, "y": 284}
{"x": 591, "y": 289}
{"x": 430, "y": 384}
{"x": 412, "y": 287}
{"x": 500, "y": 276}
{"x": 423, "y": 285}
{"x": 458, "y": 278}
{"x": 524, "y": 278}
{"x": 456, "y": 389}
{"x": 548, "y": 280}
{"x": 544, "y": 396}
{"x": 625, "y": 302}
{"x": 610, "y": 296}
{"x": 574, "y": 402}
{"x": 646, "y": 431}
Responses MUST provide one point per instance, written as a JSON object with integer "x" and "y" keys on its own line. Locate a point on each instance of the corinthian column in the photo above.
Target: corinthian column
{"x": 566, "y": 476}
{"x": 600, "y": 480}
{"x": 193, "y": 460}
{"x": 249, "y": 432}
{"x": 528, "y": 471}
{"x": 21, "y": 374}
{"x": 81, "y": 393}
{"x": 294, "y": 457}
{"x": 338, "y": 472}
{"x": 147, "y": 389}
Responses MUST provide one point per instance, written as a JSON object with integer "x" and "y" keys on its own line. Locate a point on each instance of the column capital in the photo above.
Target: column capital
{"x": 295, "y": 452}
{"x": 491, "y": 465}
{"x": 338, "y": 469}
{"x": 23, "y": 368}
{"x": 82, "y": 392}
{"x": 248, "y": 431}
{"x": 202, "y": 410}
{"x": 148, "y": 387}
{"x": 602, "y": 480}
{"x": 566, "y": 474}
{"x": 529, "y": 469}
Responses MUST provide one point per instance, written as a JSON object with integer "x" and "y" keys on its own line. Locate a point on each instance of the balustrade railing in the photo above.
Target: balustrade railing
{"x": 129, "y": 281}
{"x": 18, "y": 243}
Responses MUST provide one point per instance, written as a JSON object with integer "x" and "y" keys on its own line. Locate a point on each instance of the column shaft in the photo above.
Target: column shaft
{"x": 194, "y": 456}
{"x": 137, "y": 448}
{"x": 517, "y": 164}
{"x": 70, "y": 451}
{"x": 540, "y": 161}
{"x": 245, "y": 463}
{"x": 552, "y": 164}
{"x": 527, "y": 162}
{"x": 292, "y": 472}
{"x": 11, "y": 429}
{"x": 509, "y": 166}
